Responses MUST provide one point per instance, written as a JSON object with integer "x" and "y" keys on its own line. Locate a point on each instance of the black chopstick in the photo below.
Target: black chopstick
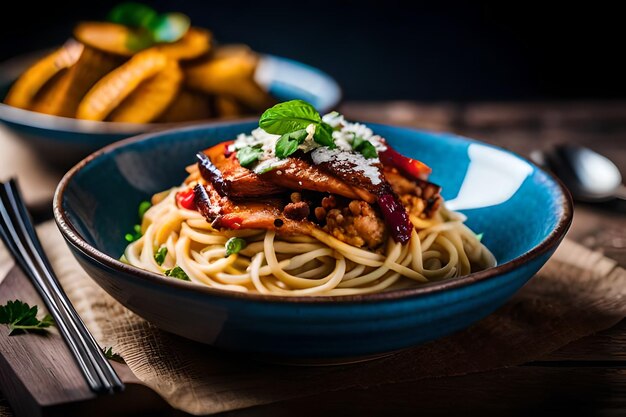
{"x": 18, "y": 233}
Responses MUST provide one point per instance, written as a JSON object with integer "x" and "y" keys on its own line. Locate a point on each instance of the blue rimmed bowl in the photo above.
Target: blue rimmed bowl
{"x": 521, "y": 210}
{"x": 64, "y": 141}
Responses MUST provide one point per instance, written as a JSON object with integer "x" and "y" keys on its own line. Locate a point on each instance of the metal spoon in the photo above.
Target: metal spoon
{"x": 589, "y": 176}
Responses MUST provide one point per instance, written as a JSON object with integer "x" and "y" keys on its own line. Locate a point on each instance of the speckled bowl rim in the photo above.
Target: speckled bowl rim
{"x": 77, "y": 241}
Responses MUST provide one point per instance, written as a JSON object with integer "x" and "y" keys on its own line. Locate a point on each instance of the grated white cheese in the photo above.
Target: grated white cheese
{"x": 309, "y": 143}
{"x": 343, "y": 135}
{"x": 356, "y": 162}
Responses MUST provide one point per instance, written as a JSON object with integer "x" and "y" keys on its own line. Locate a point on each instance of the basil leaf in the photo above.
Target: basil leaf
{"x": 289, "y": 142}
{"x": 177, "y": 272}
{"x": 248, "y": 155}
{"x": 234, "y": 245}
{"x": 368, "y": 150}
{"x": 159, "y": 257}
{"x": 132, "y": 14}
{"x": 324, "y": 135}
{"x": 289, "y": 116}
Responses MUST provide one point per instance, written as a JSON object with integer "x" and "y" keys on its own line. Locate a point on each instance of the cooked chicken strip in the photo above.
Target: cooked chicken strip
{"x": 294, "y": 174}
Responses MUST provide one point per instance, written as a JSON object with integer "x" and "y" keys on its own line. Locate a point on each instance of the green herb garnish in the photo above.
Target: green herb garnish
{"x": 169, "y": 27}
{"x": 160, "y": 255}
{"x": 324, "y": 135}
{"x": 479, "y": 237}
{"x": 152, "y": 27}
{"x": 132, "y": 14}
{"x": 109, "y": 354}
{"x": 234, "y": 245}
{"x": 289, "y": 142}
{"x": 365, "y": 147}
{"x": 20, "y": 317}
{"x": 288, "y": 117}
{"x": 131, "y": 237}
{"x": 292, "y": 116}
{"x": 143, "y": 207}
{"x": 177, "y": 272}
{"x": 249, "y": 155}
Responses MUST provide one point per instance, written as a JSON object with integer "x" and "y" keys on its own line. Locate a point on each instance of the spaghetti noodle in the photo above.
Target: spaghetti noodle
{"x": 323, "y": 208}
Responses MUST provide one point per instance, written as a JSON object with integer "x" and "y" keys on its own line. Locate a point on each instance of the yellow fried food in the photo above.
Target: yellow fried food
{"x": 30, "y": 82}
{"x": 111, "y": 37}
{"x": 229, "y": 74}
{"x": 194, "y": 44}
{"x": 226, "y": 106}
{"x": 188, "y": 105}
{"x": 111, "y": 90}
{"x": 64, "y": 95}
{"x": 151, "y": 97}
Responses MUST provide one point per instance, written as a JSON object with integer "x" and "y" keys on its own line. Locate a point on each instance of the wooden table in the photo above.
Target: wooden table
{"x": 586, "y": 377}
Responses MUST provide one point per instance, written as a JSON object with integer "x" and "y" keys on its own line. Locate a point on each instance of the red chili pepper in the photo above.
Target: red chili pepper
{"x": 186, "y": 199}
{"x": 407, "y": 166}
{"x": 231, "y": 222}
{"x": 396, "y": 217}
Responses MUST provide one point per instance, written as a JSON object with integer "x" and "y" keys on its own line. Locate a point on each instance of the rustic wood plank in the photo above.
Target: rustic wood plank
{"x": 608, "y": 345}
{"x": 39, "y": 375}
{"x": 514, "y": 391}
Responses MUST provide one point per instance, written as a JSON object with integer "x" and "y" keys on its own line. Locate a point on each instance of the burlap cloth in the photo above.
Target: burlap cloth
{"x": 577, "y": 293}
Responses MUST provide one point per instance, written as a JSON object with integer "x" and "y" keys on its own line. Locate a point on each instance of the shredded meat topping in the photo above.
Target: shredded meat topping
{"x": 356, "y": 223}
{"x": 297, "y": 211}
{"x": 420, "y": 198}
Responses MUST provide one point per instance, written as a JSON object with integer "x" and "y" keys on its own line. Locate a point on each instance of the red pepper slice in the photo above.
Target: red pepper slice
{"x": 407, "y": 166}
{"x": 231, "y": 222}
{"x": 186, "y": 199}
{"x": 396, "y": 217}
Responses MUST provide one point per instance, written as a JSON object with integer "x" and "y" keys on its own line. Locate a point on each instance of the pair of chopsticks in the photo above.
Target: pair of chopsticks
{"x": 18, "y": 233}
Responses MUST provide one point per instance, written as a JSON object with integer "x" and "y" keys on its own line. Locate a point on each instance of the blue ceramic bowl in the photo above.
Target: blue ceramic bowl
{"x": 522, "y": 211}
{"x": 64, "y": 141}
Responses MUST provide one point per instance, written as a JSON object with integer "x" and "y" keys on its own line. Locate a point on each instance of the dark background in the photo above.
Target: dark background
{"x": 488, "y": 50}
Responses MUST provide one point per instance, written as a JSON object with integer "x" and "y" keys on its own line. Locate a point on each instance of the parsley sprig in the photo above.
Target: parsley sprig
{"x": 109, "y": 354}
{"x": 20, "y": 318}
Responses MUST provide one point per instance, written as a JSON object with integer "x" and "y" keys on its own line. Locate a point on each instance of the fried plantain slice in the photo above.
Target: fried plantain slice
{"x": 113, "y": 88}
{"x": 112, "y": 37}
{"x": 194, "y": 44}
{"x": 34, "y": 78}
{"x": 151, "y": 97}
{"x": 188, "y": 105}
{"x": 229, "y": 73}
{"x": 63, "y": 97}
{"x": 226, "y": 106}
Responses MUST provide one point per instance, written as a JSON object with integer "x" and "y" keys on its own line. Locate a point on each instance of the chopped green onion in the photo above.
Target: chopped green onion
{"x": 177, "y": 272}
{"x": 143, "y": 207}
{"x": 234, "y": 245}
{"x": 160, "y": 255}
